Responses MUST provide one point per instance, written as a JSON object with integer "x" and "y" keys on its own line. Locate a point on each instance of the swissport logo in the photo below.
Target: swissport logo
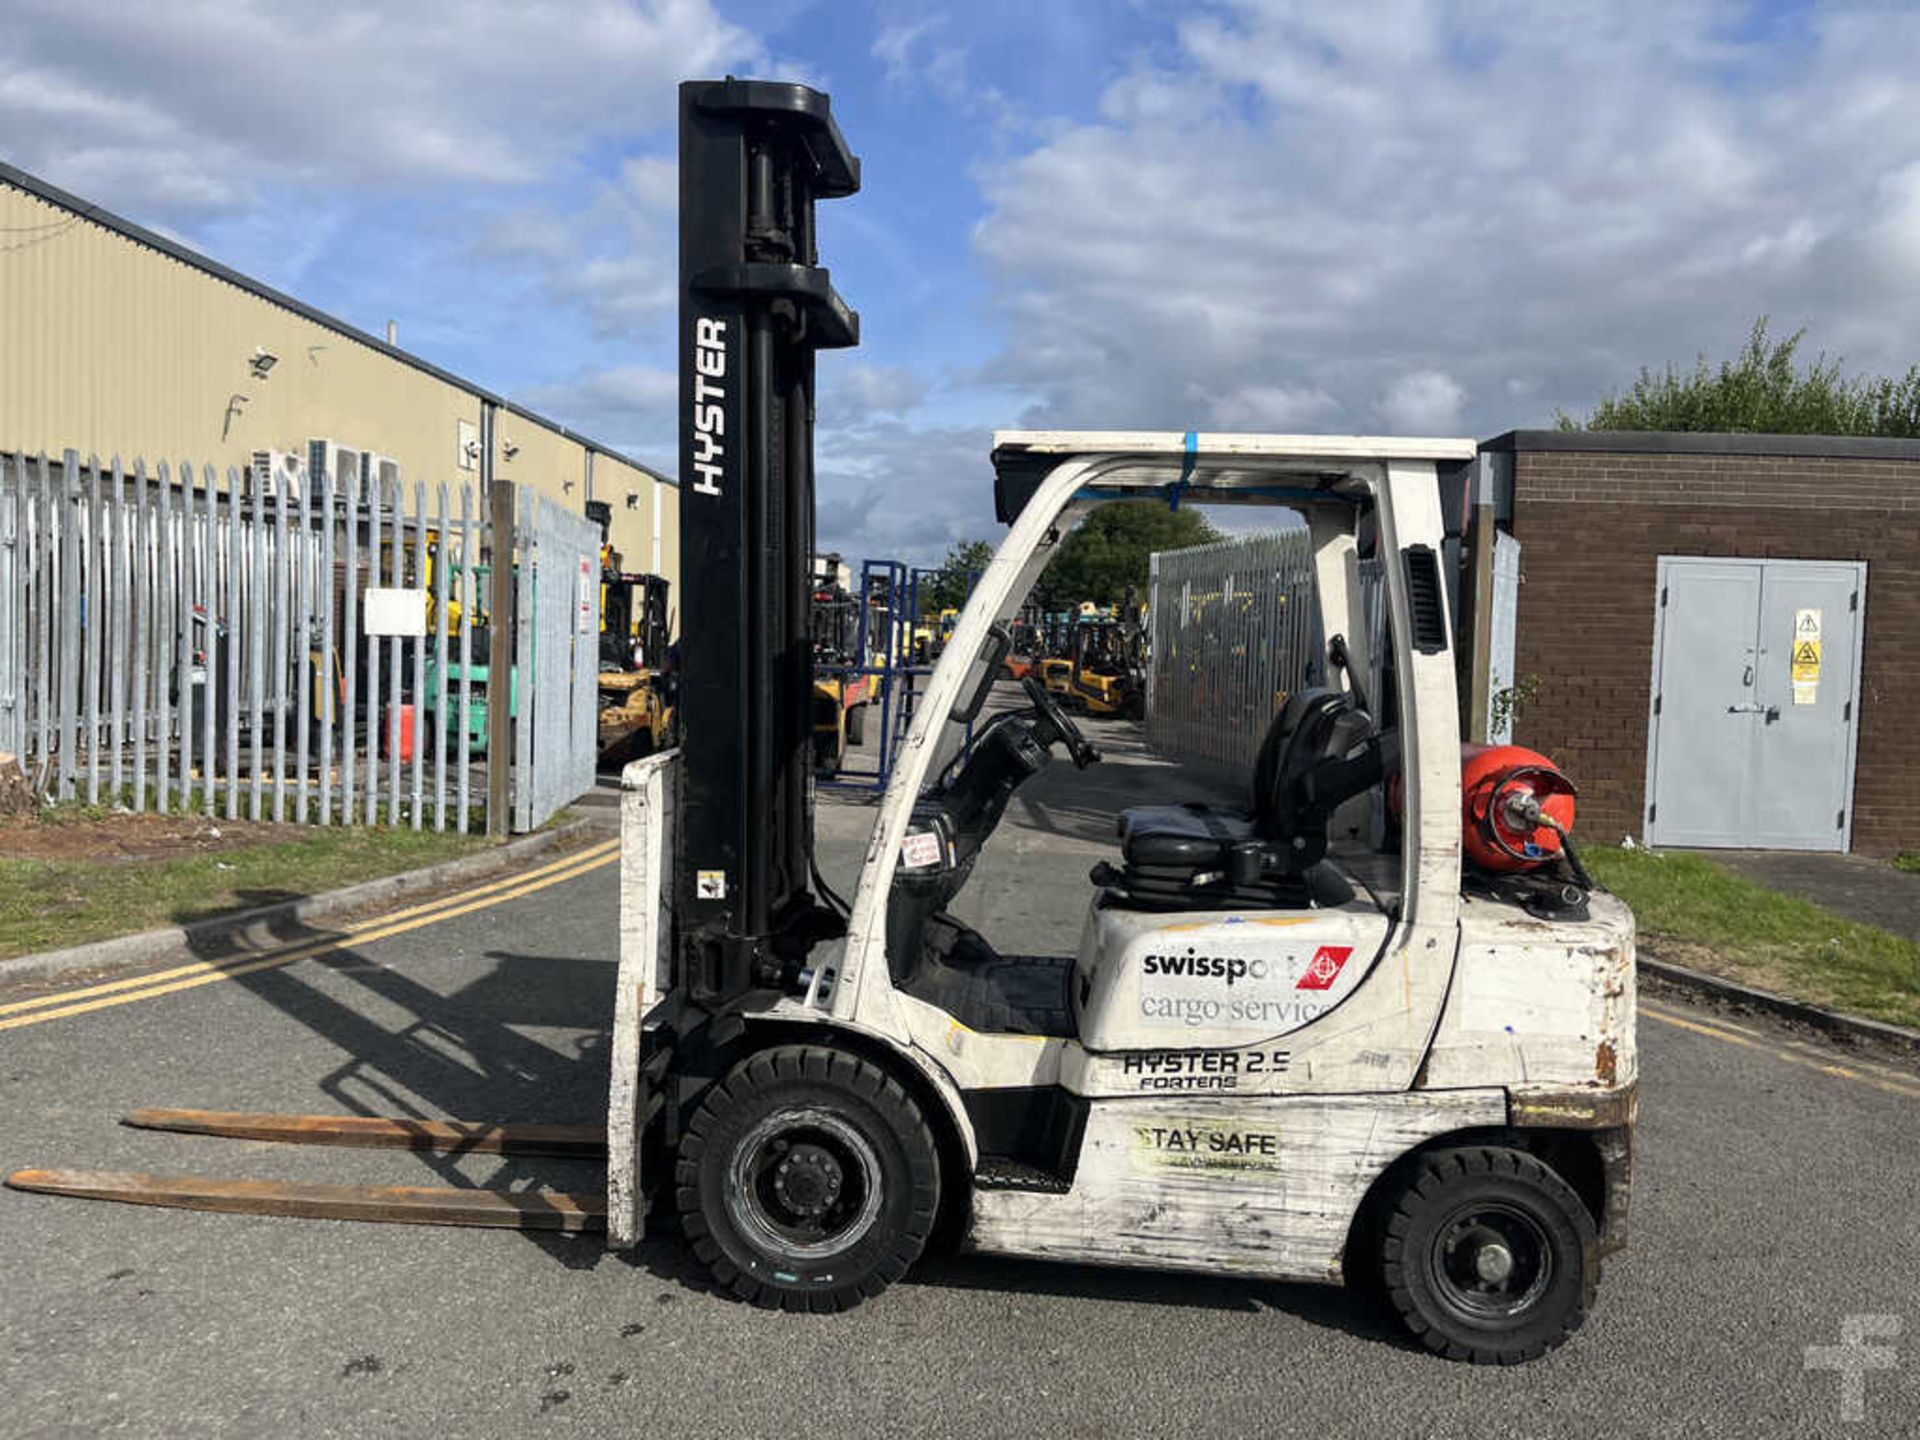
{"x": 1230, "y": 968}
{"x": 1324, "y": 968}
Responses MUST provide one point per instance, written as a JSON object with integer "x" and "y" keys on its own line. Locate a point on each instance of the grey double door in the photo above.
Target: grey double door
{"x": 1756, "y": 670}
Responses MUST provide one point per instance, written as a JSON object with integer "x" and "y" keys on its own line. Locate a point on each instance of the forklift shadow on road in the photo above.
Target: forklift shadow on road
{"x": 287, "y": 931}
{"x": 420, "y": 1056}
{"x": 1356, "y": 1311}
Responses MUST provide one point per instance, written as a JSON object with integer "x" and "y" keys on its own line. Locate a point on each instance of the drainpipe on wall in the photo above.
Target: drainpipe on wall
{"x": 655, "y": 487}
{"x": 499, "y": 495}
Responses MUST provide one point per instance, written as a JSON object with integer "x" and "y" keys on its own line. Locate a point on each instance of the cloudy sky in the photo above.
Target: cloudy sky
{"x": 1399, "y": 216}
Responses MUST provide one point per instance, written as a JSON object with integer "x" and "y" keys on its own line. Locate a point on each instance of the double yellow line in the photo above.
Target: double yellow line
{"x": 1894, "y": 1082}
{"x": 206, "y": 972}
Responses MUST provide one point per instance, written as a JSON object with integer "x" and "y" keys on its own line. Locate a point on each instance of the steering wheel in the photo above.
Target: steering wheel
{"x": 1056, "y": 719}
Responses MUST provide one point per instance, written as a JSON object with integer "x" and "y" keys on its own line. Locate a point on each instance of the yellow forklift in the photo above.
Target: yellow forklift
{"x": 843, "y": 685}
{"x": 636, "y": 706}
{"x": 1053, "y": 666}
{"x": 1104, "y": 676}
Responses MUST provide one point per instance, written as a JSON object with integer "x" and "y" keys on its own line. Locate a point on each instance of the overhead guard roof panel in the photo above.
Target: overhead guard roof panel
{"x": 1211, "y": 465}
{"x": 1313, "y": 451}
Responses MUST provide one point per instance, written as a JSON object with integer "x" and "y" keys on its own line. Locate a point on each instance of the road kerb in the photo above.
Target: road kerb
{"x": 234, "y": 934}
{"x": 1833, "y": 1022}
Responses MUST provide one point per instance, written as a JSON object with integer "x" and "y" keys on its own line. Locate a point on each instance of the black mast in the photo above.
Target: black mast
{"x": 755, "y": 304}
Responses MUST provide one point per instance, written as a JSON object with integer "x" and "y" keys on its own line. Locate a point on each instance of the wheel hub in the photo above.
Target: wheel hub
{"x": 804, "y": 1184}
{"x": 807, "y": 1181}
{"x": 1493, "y": 1263}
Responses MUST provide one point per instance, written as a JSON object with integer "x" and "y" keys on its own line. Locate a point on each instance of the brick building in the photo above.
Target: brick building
{"x": 1724, "y": 632}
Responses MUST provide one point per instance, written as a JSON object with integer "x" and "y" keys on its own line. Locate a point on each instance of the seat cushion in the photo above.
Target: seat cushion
{"x": 1183, "y": 837}
{"x": 1178, "y": 858}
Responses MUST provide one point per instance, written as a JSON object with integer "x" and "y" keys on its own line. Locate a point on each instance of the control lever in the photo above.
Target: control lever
{"x": 1341, "y": 659}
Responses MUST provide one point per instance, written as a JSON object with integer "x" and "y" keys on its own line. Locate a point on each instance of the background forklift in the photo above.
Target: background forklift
{"x": 474, "y": 671}
{"x": 844, "y": 685}
{"x": 1054, "y": 664}
{"x": 1107, "y": 677}
{"x": 636, "y": 707}
{"x": 1374, "y": 1026}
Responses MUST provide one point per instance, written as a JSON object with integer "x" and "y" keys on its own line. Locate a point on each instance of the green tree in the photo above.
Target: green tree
{"x": 1766, "y": 390}
{"x": 1107, "y": 555}
{"x": 947, "y": 589}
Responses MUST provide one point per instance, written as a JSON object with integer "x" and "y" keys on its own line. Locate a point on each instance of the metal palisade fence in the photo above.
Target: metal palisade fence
{"x": 1233, "y": 628}
{"x": 268, "y": 647}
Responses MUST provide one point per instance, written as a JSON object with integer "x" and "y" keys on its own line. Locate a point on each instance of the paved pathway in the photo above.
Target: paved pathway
{"x": 1869, "y": 891}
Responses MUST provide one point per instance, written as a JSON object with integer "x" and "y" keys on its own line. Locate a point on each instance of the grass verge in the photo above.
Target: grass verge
{"x": 49, "y": 904}
{"x": 1908, "y": 860}
{"x": 1699, "y": 915}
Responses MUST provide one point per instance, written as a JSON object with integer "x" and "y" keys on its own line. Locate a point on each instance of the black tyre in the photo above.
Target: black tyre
{"x": 857, "y": 725}
{"x": 807, "y": 1180}
{"x": 826, "y": 756}
{"x": 1489, "y": 1256}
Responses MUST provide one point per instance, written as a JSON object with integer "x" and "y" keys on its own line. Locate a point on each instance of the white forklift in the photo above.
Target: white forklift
{"x": 1279, "y": 1051}
{"x": 1374, "y": 1025}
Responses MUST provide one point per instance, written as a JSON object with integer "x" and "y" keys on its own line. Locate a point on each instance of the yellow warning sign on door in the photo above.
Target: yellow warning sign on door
{"x": 1806, "y": 656}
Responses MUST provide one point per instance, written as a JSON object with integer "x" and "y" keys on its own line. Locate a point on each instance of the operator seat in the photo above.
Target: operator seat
{"x": 1319, "y": 751}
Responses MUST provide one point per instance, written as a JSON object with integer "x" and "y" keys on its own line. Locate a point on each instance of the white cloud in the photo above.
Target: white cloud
{"x": 913, "y": 56}
{"x": 1427, "y": 402}
{"x": 894, "y": 43}
{"x": 613, "y": 253}
{"x": 630, "y": 408}
{"x": 890, "y": 490}
{"x": 190, "y": 107}
{"x": 1273, "y": 407}
{"x": 858, "y": 392}
{"x": 1456, "y": 214}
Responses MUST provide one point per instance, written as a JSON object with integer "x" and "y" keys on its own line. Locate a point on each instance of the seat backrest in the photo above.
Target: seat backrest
{"x": 1315, "y": 731}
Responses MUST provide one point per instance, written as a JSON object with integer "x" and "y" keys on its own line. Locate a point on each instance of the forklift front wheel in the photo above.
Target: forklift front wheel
{"x": 1489, "y": 1256}
{"x": 808, "y": 1180}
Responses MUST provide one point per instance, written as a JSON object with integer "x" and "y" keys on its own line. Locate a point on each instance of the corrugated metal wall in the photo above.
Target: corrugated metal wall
{"x": 110, "y": 346}
{"x": 1234, "y": 629}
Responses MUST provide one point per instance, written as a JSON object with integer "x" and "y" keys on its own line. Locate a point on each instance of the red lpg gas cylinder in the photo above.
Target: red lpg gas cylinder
{"x": 1510, "y": 795}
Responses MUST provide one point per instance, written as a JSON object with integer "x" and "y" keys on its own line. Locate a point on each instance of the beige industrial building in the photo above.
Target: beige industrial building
{"x": 120, "y": 342}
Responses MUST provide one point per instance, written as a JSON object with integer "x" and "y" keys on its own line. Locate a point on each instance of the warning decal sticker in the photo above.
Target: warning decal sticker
{"x": 1806, "y": 657}
{"x": 1205, "y": 1145}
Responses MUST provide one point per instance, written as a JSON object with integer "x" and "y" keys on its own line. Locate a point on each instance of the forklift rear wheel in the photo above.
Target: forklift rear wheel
{"x": 857, "y": 725}
{"x": 1489, "y": 1256}
{"x": 808, "y": 1180}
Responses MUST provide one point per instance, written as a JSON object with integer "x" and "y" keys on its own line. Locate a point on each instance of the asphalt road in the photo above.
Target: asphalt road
{"x": 1776, "y": 1197}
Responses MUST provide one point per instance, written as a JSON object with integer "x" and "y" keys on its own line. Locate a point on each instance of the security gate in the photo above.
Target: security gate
{"x": 1756, "y": 677}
